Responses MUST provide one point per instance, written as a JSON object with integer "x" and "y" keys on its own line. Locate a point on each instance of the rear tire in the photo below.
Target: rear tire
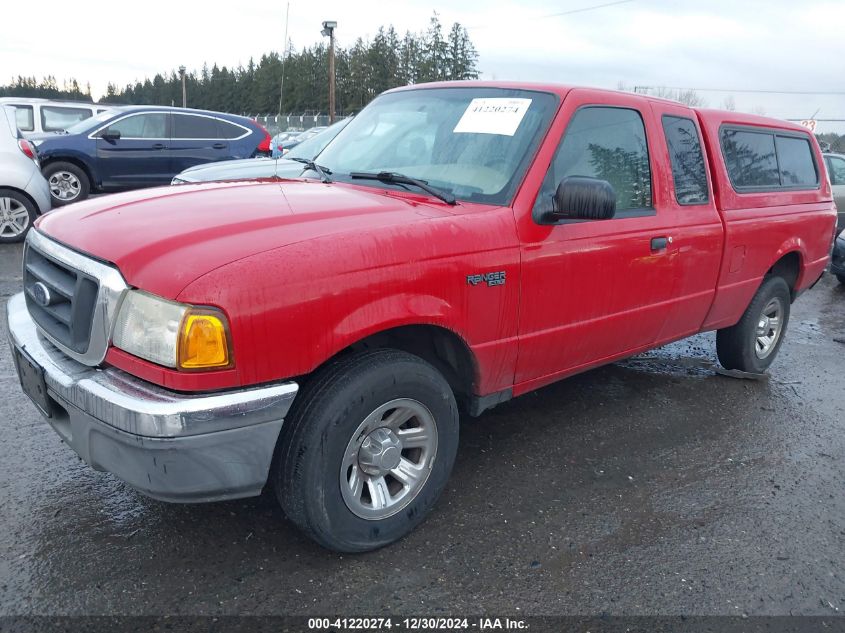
{"x": 841, "y": 278}
{"x": 68, "y": 183}
{"x": 349, "y": 472}
{"x": 17, "y": 213}
{"x": 752, "y": 344}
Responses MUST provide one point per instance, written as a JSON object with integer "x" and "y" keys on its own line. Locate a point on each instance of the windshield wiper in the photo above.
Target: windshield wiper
{"x": 401, "y": 179}
{"x": 323, "y": 172}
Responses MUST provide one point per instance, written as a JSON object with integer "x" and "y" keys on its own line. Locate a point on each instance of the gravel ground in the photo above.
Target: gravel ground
{"x": 651, "y": 486}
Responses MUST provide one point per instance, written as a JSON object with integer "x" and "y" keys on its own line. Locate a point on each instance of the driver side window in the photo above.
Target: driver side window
{"x": 606, "y": 143}
{"x": 143, "y": 126}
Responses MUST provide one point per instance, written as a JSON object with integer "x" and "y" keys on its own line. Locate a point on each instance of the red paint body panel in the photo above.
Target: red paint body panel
{"x": 303, "y": 269}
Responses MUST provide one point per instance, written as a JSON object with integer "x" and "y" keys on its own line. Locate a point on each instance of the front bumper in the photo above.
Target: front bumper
{"x": 170, "y": 446}
{"x": 39, "y": 191}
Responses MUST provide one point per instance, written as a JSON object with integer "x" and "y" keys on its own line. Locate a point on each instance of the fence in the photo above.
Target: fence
{"x": 276, "y": 123}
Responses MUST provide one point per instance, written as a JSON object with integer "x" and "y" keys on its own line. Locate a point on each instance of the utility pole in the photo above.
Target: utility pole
{"x": 328, "y": 30}
{"x": 182, "y": 70}
{"x": 284, "y": 55}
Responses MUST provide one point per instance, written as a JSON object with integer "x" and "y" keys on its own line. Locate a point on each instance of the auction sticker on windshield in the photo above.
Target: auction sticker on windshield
{"x": 493, "y": 115}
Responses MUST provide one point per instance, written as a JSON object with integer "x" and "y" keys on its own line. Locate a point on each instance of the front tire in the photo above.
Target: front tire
{"x": 752, "y": 344}
{"x": 17, "y": 213}
{"x": 367, "y": 450}
{"x": 68, "y": 183}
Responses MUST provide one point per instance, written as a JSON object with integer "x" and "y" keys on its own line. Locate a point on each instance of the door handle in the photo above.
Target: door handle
{"x": 660, "y": 243}
{"x": 158, "y": 145}
{"x": 219, "y": 146}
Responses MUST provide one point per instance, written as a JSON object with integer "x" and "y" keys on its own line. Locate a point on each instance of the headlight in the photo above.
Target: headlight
{"x": 172, "y": 334}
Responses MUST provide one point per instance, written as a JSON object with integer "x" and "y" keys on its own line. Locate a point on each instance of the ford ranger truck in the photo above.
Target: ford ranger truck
{"x": 457, "y": 245}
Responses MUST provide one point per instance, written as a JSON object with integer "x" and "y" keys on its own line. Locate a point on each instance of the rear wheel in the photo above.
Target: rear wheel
{"x": 367, "y": 450}
{"x": 68, "y": 183}
{"x": 752, "y": 344}
{"x": 17, "y": 213}
{"x": 841, "y": 278}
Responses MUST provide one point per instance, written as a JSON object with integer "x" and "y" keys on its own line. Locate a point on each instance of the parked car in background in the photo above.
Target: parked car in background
{"x": 281, "y": 137}
{"x": 836, "y": 170}
{"x": 286, "y": 145}
{"x": 35, "y": 116}
{"x": 24, "y": 194}
{"x": 288, "y": 167}
{"x": 141, "y": 146}
{"x": 837, "y": 263}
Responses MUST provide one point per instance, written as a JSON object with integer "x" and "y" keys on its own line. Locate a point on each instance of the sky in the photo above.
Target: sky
{"x": 744, "y": 49}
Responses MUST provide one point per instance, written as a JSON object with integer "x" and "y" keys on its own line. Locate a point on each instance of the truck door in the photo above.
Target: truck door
{"x": 594, "y": 289}
{"x": 698, "y": 234}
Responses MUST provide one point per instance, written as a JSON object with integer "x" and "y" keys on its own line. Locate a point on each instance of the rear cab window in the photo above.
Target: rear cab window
{"x": 689, "y": 172}
{"x": 759, "y": 159}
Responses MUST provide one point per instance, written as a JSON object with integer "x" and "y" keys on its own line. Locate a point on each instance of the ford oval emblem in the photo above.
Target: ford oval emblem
{"x": 41, "y": 294}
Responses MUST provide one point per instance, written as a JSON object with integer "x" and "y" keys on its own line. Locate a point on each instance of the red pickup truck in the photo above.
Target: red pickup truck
{"x": 458, "y": 244}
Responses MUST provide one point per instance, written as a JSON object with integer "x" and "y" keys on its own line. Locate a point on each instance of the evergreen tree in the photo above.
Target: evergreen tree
{"x": 362, "y": 71}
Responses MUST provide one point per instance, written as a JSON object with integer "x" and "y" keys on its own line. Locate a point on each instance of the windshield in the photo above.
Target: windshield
{"x": 472, "y": 142}
{"x": 314, "y": 145}
{"x": 87, "y": 124}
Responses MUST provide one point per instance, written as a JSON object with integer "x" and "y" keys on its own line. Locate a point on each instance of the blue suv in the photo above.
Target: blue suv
{"x": 141, "y": 146}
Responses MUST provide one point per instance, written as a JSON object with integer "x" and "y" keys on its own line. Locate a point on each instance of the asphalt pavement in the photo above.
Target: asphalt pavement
{"x": 651, "y": 486}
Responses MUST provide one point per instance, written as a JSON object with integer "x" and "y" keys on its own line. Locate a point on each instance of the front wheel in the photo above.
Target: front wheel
{"x": 68, "y": 183}
{"x": 367, "y": 450}
{"x": 752, "y": 344}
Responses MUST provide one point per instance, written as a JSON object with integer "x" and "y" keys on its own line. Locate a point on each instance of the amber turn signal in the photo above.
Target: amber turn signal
{"x": 204, "y": 341}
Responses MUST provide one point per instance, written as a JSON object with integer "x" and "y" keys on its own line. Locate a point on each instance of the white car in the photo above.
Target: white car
{"x": 35, "y": 116}
{"x": 24, "y": 192}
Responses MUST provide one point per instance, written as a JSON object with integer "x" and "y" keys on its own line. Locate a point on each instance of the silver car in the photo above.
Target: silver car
{"x": 836, "y": 170}
{"x": 24, "y": 193}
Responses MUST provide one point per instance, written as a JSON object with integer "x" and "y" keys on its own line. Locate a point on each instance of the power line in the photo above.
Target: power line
{"x": 562, "y": 13}
{"x": 746, "y": 90}
{"x": 581, "y": 10}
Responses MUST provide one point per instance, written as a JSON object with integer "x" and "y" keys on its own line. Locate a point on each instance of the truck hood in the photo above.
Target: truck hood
{"x": 163, "y": 239}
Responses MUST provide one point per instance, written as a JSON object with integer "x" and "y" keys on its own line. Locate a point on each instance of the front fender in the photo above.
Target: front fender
{"x": 79, "y": 157}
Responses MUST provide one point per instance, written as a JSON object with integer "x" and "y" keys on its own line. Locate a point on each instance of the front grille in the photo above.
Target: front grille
{"x": 69, "y": 314}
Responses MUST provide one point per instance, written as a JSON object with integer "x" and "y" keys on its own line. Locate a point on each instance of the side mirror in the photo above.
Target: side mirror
{"x": 110, "y": 135}
{"x": 582, "y": 198}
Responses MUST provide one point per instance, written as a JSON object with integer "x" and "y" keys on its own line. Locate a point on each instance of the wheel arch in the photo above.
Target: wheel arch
{"x": 74, "y": 160}
{"x": 789, "y": 265}
{"x": 38, "y": 211}
{"x": 440, "y": 346}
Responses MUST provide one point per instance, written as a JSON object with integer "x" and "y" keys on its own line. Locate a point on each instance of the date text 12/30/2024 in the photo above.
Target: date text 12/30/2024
{"x": 416, "y": 624}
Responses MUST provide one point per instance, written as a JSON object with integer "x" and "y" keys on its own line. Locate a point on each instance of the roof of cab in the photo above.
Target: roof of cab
{"x": 716, "y": 118}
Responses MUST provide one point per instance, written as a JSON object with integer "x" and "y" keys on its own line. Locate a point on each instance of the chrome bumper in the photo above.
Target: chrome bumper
{"x": 172, "y": 446}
